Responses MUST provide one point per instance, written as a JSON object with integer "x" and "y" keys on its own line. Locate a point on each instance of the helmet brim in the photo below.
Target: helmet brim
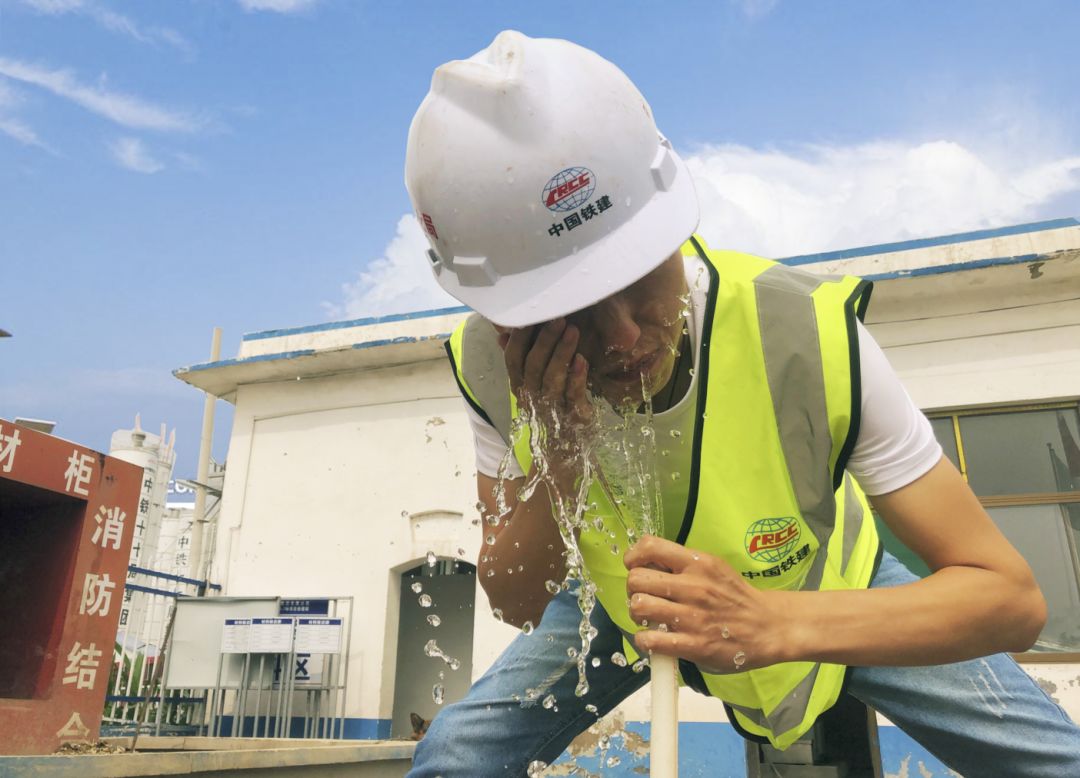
{"x": 588, "y": 275}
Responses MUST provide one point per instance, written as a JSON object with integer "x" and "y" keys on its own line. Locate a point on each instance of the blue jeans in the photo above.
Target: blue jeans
{"x": 982, "y": 718}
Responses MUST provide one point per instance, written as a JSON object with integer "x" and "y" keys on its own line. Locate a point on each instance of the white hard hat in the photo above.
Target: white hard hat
{"x": 536, "y": 170}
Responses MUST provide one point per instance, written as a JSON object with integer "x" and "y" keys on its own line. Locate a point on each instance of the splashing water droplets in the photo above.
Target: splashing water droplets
{"x": 431, "y": 559}
{"x": 434, "y": 620}
{"x": 424, "y": 600}
{"x": 438, "y": 693}
{"x": 431, "y": 649}
{"x": 615, "y": 452}
{"x": 417, "y": 587}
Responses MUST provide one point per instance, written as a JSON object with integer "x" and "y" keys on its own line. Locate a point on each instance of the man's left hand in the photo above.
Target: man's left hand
{"x": 710, "y": 615}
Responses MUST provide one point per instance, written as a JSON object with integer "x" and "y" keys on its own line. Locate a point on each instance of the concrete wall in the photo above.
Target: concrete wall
{"x": 337, "y": 483}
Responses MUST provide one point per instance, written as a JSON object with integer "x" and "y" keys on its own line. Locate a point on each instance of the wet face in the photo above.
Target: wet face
{"x": 634, "y": 333}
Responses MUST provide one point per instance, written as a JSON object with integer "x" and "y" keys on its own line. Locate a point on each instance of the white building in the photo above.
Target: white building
{"x": 351, "y": 459}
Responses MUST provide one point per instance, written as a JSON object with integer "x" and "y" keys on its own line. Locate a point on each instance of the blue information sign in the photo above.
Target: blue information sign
{"x": 304, "y": 607}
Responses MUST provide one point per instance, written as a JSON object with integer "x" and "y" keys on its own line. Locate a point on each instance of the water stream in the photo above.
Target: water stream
{"x": 618, "y": 451}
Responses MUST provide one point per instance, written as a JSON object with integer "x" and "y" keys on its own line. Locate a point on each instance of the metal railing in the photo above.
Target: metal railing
{"x": 146, "y": 613}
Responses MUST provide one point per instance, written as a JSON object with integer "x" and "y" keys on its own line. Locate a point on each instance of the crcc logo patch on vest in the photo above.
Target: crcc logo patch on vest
{"x": 771, "y": 540}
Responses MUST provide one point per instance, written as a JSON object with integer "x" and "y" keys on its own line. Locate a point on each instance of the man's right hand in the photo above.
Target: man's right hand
{"x": 549, "y": 379}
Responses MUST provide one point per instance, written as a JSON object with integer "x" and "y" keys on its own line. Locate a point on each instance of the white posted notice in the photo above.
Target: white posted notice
{"x": 318, "y": 636}
{"x": 234, "y": 636}
{"x": 271, "y": 636}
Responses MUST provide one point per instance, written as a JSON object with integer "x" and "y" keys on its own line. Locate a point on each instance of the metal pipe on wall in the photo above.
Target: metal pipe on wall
{"x": 198, "y": 524}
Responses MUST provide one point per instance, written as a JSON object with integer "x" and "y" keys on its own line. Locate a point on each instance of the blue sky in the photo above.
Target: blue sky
{"x": 166, "y": 167}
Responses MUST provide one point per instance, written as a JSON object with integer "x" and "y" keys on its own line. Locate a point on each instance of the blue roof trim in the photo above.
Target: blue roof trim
{"x": 304, "y": 352}
{"x": 401, "y": 339}
{"x": 284, "y": 355}
{"x": 955, "y": 267}
{"x": 961, "y": 237}
{"x": 340, "y": 325}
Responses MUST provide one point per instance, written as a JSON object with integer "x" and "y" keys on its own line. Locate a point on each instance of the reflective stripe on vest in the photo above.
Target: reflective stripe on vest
{"x": 778, "y": 403}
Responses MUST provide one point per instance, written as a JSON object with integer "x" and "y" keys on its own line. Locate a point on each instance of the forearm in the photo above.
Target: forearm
{"x": 912, "y": 624}
{"x": 526, "y": 554}
{"x": 548, "y": 377}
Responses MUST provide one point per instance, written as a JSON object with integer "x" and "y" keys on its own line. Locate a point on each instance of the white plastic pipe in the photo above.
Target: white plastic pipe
{"x": 664, "y": 730}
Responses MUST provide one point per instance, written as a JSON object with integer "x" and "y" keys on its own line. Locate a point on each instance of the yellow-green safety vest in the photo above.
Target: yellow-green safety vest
{"x": 776, "y": 420}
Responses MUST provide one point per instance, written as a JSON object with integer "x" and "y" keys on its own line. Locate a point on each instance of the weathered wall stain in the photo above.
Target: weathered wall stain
{"x": 610, "y": 741}
{"x": 924, "y": 771}
{"x": 434, "y": 421}
{"x": 1049, "y": 687}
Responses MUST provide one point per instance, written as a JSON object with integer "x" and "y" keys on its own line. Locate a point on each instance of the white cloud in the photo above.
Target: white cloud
{"x": 113, "y": 22}
{"x": 133, "y": 155}
{"x": 755, "y": 9}
{"x": 793, "y": 201}
{"x": 815, "y": 198}
{"x": 16, "y": 128}
{"x": 9, "y": 96}
{"x": 126, "y": 110}
{"x": 400, "y": 281}
{"x": 21, "y": 132}
{"x": 54, "y": 7}
{"x": 189, "y": 161}
{"x": 278, "y": 6}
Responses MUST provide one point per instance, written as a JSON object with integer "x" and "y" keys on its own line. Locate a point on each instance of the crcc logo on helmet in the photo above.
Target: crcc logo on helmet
{"x": 569, "y": 188}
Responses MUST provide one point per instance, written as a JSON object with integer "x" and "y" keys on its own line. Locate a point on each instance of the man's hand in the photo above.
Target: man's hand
{"x": 548, "y": 377}
{"x": 712, "y": 616}
{"x": 981, "y": 597}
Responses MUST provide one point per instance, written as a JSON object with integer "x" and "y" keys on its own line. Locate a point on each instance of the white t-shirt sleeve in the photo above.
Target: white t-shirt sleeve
{"x": 896, "y": 444}
{"x": 490, "y": 447}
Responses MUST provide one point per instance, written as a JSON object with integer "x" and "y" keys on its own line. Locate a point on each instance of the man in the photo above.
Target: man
{"x": 749, "y": 398}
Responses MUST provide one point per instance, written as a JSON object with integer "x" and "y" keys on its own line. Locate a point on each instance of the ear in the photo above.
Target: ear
{"x": 417, "y": 721}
